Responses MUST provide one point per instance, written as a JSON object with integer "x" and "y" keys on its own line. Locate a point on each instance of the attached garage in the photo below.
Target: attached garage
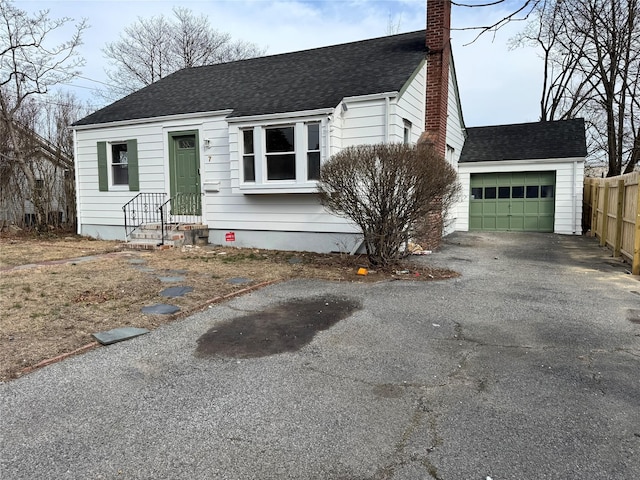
{"x": 525, "y": 177}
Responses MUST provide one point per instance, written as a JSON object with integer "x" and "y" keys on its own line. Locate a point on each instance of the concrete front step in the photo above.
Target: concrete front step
{"x": 176, "y": 226}
{"x": 148, "y": 244}
{"x": 156, "y": 235}
{"x": 149, "y": 237}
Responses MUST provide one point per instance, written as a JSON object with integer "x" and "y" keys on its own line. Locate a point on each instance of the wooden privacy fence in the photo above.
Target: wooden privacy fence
{"x": 612, "y": 213}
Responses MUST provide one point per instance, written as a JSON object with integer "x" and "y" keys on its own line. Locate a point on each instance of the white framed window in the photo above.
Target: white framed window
{"x": 406, "y": 137}
{"x": 248, "y": 156}
{"x": 280, "y": 152}
{"x": 119, "y": 164}
{"x": 450, "y": 154}
{"x": 280, "y": 157}
{"x": 313, "y": 151}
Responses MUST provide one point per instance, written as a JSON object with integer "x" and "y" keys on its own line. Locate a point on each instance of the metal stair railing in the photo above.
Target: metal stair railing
{"x": 181, "y": 208}
{"x": 141, "y": 210}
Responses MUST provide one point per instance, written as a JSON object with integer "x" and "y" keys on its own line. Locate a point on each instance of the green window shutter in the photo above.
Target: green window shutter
{"x": 103, "y": 174}
{"x": 132, "y": 158}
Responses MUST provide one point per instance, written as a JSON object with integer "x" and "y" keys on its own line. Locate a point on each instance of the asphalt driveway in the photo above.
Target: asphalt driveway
{"x": 525, "y": 367}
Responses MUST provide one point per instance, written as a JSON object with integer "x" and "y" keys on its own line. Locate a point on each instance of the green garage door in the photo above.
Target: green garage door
{"x": 518, "y": 201}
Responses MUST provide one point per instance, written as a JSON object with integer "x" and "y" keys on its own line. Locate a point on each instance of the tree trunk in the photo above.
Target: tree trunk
{"x": 634, "y": 158}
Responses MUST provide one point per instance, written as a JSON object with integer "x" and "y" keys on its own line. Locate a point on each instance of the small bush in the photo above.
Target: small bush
{"x": 388, "y": 190}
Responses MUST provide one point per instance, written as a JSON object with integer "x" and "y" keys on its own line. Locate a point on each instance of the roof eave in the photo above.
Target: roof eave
{"x": 140, "y": 121}
{"x": 524, "y": 160}
{"x": 281, "y": 115}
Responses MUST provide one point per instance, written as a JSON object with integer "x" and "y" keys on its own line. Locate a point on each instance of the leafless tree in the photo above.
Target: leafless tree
{"x": 590, "y": 50}
{"x": 563, "y": 91}
{"x": 31, "y": 63}
{"x": 393, "y": 25}
{"x": 152, "y": 48}
{"x": 140, "y": 57}
{"x": 56, "y": 114}
{"x": 387, "y": 190}
{"x": 519, "y": 11}
{"x": 45, "y": 138}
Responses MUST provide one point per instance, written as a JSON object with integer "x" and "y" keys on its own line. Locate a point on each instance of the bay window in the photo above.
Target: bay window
{"x": 282, "y": 156}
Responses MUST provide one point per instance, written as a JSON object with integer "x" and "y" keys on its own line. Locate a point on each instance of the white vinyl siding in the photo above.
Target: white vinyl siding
{"x": 274, "y": 212}
{"x": 410, "y": 106}
{"x": 455, "y": 123}
{"x": 568, "y": 192}
{"x": 105, "y": 208}
{"x": 455, "y": 137}
{"x": 363, "y": 122}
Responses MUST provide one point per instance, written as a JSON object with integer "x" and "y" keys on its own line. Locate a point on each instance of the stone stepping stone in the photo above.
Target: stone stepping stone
{"x": 118, "y": 334}
{"x": 176, "y": 291}
{"x": 75, "y": 261}
{"x": 178, "y": 272}
{"x": 137, "y": 261}
{"x": 143, "y": 269}
{"x": 171, "y": 279}
{"x": 160, "y": 309}
{"x": 295, "y": 260}
{"x": 239, "y": 280}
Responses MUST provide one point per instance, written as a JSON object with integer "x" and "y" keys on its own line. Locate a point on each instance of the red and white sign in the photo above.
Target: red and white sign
{"x": 230, "y": 236}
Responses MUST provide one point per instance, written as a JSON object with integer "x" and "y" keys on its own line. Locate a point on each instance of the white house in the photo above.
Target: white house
{"x": 238, "y": 146}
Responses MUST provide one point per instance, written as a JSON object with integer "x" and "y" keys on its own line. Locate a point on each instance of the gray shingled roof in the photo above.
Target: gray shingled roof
{"x": 525, "y": 141}
{"x": 305, "y": 80}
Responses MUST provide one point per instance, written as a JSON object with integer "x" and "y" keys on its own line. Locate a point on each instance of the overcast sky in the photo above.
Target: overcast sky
{"x": 497, "y": 85}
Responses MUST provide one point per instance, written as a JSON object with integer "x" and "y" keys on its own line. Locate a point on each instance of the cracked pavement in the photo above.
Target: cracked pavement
{"x": 525, "y": 367}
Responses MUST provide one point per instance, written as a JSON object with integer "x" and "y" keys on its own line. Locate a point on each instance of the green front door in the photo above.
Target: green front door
{"x": 514, "y": 201}
{"x": 184, "y": 166}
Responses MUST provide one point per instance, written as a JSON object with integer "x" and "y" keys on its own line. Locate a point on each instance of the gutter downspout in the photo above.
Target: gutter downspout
{"x": 387, "y": 117}
{"x": 574, "y": 195}
{"x": 77, "y": 182}
{"x": 327, "y": 133}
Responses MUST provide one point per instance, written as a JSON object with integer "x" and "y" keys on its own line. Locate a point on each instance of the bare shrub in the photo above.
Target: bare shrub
{"x": 387, "y": 190}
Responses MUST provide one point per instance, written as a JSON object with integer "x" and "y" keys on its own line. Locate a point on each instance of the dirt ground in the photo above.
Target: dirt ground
{"x": 55, "y": 291}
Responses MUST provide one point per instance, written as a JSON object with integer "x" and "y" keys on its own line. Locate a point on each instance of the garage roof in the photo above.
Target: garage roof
{"x": 525, "y": 141}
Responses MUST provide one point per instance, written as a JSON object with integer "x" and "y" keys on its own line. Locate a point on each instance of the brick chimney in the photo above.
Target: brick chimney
{"x": 438, "y": 58}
